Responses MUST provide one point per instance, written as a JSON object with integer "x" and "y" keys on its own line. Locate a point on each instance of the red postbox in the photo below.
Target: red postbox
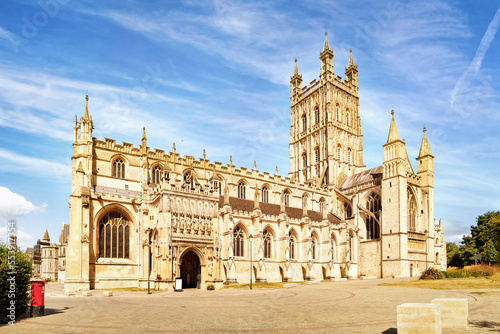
{"x": 37, "y": 298}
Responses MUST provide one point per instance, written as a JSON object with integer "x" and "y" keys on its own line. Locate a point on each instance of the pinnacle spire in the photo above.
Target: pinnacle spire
{"x": 393, "y": 130}
{"x": 296, "y": 69}
{"x": 46, "y": 236}
{"x": 143, "y": 133}
{"x": 86, "y": 116}
{"x": 326, "y": 47}
{"x": 351, "y": 61}
{"x": 424, "y": 147}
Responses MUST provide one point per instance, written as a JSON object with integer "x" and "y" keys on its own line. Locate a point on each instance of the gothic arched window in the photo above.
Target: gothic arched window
{"x": 338, "y": 114}
{"x": 316, "y": 116}
{"x": 114, "y": 236}
{"x": 316, "y": 154}
{"x": 304, "y": 123}
{"x": 156, "y": 174}
{"x": 338, "y": 152}
{"x": 304, "y": 160}
{"x": 119, "y": 168}
{"x": 347, "y": 118}
{"x": 268, "y": 241}
{"x": 239, "y": 241}
{"x": 373, "y": 205}
{"x": 349, "y": 156}
{"x": 347, "y": 211}
{"x": 189, "y": 178}
{"x": 287, "y": 197}
{"x": 241, "y": 190}
{"x": 412, "y": 212}
{"x": 265, "y": 195}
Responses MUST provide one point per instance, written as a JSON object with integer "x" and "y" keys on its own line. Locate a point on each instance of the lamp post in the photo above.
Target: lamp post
{"x": 149, "y": 257}
{"x": 250, "y": 237}
{"x": 426, "y": 249}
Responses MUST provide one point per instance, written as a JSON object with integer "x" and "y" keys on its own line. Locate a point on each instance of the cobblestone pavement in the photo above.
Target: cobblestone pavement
{"x": 355, "y": 306}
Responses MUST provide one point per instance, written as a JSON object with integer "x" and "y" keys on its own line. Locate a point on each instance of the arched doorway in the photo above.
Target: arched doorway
{"x": 190, "y": 270}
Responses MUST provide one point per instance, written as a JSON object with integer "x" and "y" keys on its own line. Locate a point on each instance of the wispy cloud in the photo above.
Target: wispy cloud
{"x": 475, "y": 65}
{"x": 12, "y": 162}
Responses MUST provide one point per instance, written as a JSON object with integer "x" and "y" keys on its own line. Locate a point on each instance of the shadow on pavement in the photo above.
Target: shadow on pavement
{"x": 390, "y": 331}
{"x": 486, "y": 324}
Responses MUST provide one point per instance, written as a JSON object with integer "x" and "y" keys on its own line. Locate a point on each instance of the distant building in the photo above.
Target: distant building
{"x": 52, "y": 263}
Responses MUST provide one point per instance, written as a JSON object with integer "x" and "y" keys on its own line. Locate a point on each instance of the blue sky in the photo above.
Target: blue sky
{"x": 214, "y": 75}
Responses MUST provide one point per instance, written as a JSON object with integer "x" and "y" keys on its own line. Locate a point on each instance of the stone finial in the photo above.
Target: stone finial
{"x": 296, "y": 69}
{"x": 173, "y": 148}
{"x": 204, "y": 155}
{"x": 230, "y": 159}
{"x": 326, "y": 46}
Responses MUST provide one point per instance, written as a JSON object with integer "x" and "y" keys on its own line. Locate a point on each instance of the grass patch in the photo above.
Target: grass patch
{"x": 259, "y": 285}
{"x": 478, "y": 292}
{"x": 449, "y": 284}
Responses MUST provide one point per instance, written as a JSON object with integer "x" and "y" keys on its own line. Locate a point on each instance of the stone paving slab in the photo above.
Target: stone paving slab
{"x": 354, "y": 306}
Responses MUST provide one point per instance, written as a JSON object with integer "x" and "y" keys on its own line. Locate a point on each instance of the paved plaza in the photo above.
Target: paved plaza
{"x": 354, "y": 306}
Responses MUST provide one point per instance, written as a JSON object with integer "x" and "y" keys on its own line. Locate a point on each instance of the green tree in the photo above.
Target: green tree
{"x": 451, "y": 251}
{"x": 15, "y": 274}
{"x": 487, "y": 228}
{"x": 489, "y": 253}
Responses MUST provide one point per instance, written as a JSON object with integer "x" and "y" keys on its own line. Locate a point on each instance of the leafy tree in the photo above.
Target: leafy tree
{"x": 490, "y": 253}
{"x": 15, "y": 274}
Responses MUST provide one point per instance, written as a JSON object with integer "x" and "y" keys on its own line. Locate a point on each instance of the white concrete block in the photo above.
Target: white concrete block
{"x": 454, "y": 312}
{"x": 419, "y": 318}
{"x": 69, "y": 293}
{"x": 107, "y": 293}
{"x": 87, "y": 293}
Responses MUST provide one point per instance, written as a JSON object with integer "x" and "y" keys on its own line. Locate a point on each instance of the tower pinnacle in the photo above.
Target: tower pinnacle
{"x": 296, "y": 69}
{"x": 86, "y": 116}
{"x": 393, "y": 130}
{"x": 351, "y": 61}
{"x": 326, "y": 47}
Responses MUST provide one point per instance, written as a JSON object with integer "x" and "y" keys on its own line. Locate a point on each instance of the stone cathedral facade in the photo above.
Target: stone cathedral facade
{"x": 138, "y": 214}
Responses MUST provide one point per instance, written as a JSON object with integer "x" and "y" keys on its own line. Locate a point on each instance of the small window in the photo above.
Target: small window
{"x": 348, "y": 156}
{"x": 119, "y": 168}
{"x": 156, "y": 174}
{"x": 241, "y": 190}
{"x": 316, "y": 116}
{"x": 265, "y": 195}
{"x": 338, "y": 152}
{"x": 287, "y": 198}
{"x": 291, "y": 245}
{"x": 347, "y": 118}
{"x": 321, "y": 206}
{"x": 304, "y": 160}
{"x": 217, "y": 186}
{"x": 304, "y": 123}
{"x": 316, "y": 154}
{"x": 338, "y": 115}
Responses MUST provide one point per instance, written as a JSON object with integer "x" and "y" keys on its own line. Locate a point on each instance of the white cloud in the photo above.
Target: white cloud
{"x": 13, "y": 205}
{"x": 24, "y": 239}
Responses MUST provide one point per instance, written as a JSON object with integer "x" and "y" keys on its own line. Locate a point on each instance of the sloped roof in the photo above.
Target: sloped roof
{"x": 363, "y": 177}
{"x": 275, "y": 209}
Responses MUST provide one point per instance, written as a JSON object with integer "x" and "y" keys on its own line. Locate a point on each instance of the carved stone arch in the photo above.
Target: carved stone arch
{"x": 197, "y": 251}
{"x": 111, "y": 207}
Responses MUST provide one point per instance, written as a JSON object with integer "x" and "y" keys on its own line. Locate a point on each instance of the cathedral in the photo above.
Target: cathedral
{"x": 142, "y": 216}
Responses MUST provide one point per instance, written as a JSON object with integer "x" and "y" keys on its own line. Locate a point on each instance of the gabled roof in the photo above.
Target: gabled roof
{"x": 363, "y": 177}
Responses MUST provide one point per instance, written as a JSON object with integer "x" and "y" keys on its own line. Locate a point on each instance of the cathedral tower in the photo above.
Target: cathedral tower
{"x": 326, "y": 144}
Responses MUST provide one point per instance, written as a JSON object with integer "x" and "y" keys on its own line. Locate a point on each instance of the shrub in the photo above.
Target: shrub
{"x": 19, "y": 274}
{"x": 480, "y": 270}
{"x": 432, "y": 273}
{"x": 210, "y": 287}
